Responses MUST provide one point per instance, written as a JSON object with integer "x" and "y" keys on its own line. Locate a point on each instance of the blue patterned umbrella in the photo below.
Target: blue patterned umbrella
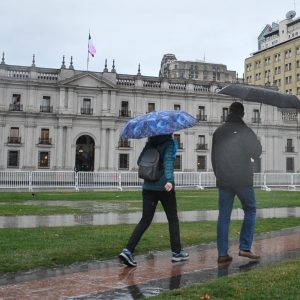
{"x": 157, "y": 123}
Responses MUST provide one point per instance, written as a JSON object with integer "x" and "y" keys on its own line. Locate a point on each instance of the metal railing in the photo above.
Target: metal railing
{"x": 121, "y": 180}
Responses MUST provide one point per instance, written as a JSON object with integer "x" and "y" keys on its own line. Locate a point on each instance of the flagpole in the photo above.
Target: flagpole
{"x": 87, "y": 61}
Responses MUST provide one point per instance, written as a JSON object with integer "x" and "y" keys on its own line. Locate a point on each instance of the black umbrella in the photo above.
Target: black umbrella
{"x": 261, "y": 95}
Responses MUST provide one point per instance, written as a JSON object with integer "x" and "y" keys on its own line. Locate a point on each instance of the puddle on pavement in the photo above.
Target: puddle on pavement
{"x": 112, "y": 218}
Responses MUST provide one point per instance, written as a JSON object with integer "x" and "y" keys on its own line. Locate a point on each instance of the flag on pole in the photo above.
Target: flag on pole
{"x": 91, "y": 47}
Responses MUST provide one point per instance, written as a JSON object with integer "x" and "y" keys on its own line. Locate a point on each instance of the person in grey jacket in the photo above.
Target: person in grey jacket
{"x": 234, "y": 144}
{"x": 162, "y": 190}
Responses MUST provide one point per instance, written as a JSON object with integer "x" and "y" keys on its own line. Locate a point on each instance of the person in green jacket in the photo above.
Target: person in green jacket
{"x": 162, "y": 190}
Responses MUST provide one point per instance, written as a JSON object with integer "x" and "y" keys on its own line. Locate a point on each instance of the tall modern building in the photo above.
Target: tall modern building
{"x": 277, "y": 59}
{"x": 63, "y": 118}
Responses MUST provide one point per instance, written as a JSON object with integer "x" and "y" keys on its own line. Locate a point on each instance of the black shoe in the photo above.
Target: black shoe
{"x": 127, "y": 258}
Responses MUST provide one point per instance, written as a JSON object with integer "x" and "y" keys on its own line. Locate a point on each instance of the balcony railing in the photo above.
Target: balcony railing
{"x": 86, "y": 111}
{"x": 202, "y": 117}
{"x": 201, "y": 147}
{"x": 48, "y": 109}
{"x": 45, "y": 141}
{"x": 289, "y": 149}
{"x": 14, "y": 140}
{"x": 124, "y": 144}
{"x": 16, "y": 107}
{"x": 256, "y": 120}
{"x": 124, "y": 113}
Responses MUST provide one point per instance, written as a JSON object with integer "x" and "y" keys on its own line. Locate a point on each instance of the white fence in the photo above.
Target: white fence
{"x": 122, "y": 180}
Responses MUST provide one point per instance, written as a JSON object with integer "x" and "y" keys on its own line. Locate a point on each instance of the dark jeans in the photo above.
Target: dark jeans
{"x": 150, "y": 200}
{"x": 248, "y": 201}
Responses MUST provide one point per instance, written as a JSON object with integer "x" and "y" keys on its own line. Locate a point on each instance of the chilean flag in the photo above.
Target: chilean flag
{"x": 91, "y": 47}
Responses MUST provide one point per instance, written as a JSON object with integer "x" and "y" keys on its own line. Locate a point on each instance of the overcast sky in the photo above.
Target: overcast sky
{"x": 135, "y": 31}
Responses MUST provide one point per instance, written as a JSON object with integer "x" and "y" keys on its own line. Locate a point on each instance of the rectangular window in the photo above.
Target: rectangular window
{"x": 289, "y": 145}
{"x": 201, "y": 163}
{"x": 151, "y": 107}
{"x": 224, "y": 114}
{"x": 16, "y": 99}
{"x": 14, "y": 136}
{"x": 290, "y": 164}
{"x": 44, "y": 159}
{"x": 288, "y": 79}
{"x": 123, "y": 161}
{"x": 16, "y": 103}
{"x": 13, "y": 159}
{"x": 177, "y": 163}
{"x": 124, "y": 112}
{"x": 44, "y": 139}
{"x": 45, "y": 104}
{"x": 201, "y": 145}
{"x": 177, "y": 138}
{"x": 86, "y": 107}
{"x": 288, "y": 67}
{"x": 256, "y": 116}
{"x": 288, "y": 53}
{"x": 201, "y": 114}
{"x": 176, "y": 106}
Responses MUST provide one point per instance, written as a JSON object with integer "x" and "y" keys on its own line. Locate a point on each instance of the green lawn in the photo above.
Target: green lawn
{"x": 280, "y": 281}
{"x": 24, "y": 249}
{"x": 129, "y": 201}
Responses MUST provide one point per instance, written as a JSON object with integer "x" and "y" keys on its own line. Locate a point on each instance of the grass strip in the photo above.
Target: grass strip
{"x": 279, "y": 281}
{"x": 129, "y": 201}
{"x": 24, "y": 249}
{"x": 25, "y": 210}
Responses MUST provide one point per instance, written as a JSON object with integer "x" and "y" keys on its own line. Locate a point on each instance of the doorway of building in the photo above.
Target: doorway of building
{"x": 85, "y": 152}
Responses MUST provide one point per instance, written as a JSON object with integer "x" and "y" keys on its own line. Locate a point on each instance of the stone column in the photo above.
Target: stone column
{"x": 111, "y": 149}
{"x": 188, "y": 161}
{"x": 113, "y": 102}
{"x": 105, "y": 101}
{"x": 61, "y": 103}
{"x": 59, "y": 148}
{"x": 3, "y": 138}
{"x": 103, "y": 145}
{"x": 30, "y": 155}
{"x": 69, "y": 163}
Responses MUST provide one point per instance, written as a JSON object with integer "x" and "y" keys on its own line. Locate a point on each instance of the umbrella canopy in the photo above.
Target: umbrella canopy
{"x": 261, "y": 95}
{"x": 157, "y": 123}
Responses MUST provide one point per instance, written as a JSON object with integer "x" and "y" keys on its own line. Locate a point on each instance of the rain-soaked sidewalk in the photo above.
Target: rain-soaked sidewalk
{"x": 155, "y": 272}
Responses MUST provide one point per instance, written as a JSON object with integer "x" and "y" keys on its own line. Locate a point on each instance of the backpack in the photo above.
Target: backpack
{"x": 150, "y": 165}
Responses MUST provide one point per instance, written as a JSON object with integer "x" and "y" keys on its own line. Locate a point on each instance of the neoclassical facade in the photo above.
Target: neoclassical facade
{"x": 61, "y": 119}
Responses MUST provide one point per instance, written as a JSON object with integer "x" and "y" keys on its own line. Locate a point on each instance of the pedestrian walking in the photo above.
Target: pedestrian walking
{"x": 234, "y": 146}
{"x": 162, "y": 190}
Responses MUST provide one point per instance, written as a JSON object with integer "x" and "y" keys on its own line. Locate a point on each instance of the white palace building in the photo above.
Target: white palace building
{"x": 66, "y": 119}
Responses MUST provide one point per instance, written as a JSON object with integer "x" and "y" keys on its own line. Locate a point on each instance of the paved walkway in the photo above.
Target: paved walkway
{"x": 155, "y": 272}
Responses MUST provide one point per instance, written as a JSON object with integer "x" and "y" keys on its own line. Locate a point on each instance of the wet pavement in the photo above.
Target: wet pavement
{"x": 112, "y": 218}
{"x": 155, "y": 272}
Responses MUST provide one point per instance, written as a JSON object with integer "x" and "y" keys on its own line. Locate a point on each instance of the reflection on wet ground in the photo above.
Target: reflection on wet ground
{"x": 132, "y": 218}
{"x": 155, "y": 272}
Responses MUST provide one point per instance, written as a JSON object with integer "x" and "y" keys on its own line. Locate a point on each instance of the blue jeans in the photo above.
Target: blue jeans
{"x": 248, "y": 201}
